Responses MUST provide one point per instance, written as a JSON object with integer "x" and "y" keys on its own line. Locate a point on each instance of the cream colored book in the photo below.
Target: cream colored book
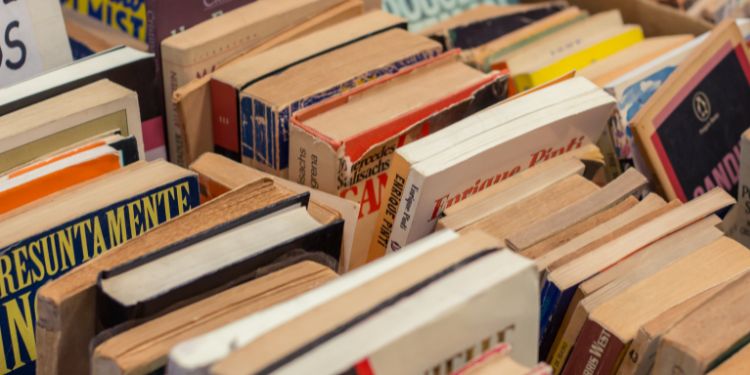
{"x": 66, "y": 119}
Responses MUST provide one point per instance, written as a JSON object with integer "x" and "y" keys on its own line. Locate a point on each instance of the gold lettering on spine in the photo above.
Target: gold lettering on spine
{"x": 67, "y": 250}
{"x": 116, "y": 224}
{"x": 100, "y": 246}
{"x": 20, "y": 324}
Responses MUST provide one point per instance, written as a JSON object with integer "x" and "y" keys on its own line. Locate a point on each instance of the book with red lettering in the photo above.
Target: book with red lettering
{"x": 432, "y": 173}
{"x": 690, "y": 129}
{"x": 344, "y": 146}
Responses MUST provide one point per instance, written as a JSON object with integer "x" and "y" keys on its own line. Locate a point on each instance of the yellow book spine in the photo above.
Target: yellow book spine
{"x": 580, "y": 59}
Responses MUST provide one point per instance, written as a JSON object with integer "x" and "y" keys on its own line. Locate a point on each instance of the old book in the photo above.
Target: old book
{"x": 265, "y": 139}
{"x": 316, "y": 340}
{"x": 642, "y": 351}
{"x": 124, "y": 66}
{"x": 622, "y": 187}
{"x": 606, "y": 70}
{"x": 89, "y": 36}
{"x": 328, "y": 153}
{"x": 50, "y": 237}
{"x": 684, "y": 117}
{"x": 194, "y": 102}
{"x": 206, "y": 263}
{"x": 560, "y": 285}
{"x": 450, "y": 165}
{"x": 609, "y": 283}
{"x": 35, "y": 40}
{"x": 196, "y": 356}
{"x": 202, "y": 48}
{"x": 484, "y": 23}
{"x": 649, "y": 208}
{"x": 60, "y": 121}
{"x": 692, "y": 346}
{"x": 612, "y": 325}
{"x": 65, "y": 169}
{"x": 486, "y": 55}
{"x": 572, "y": 232}
{"x": 739, "y": 228}
{"x": 218, "y": 175}
{"x": 738, "y": 363}
{"x": 67, "y": 308}
{"x": 525, "y": 212}
{"x": 227, "y": 82}
{"x": 145, "y": 348}
{"x": 511, "y": 190}
{"x": 498, "y": 361}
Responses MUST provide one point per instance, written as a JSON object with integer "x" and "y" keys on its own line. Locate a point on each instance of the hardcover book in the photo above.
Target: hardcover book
{"x": 204, "y": 47}
{"x": 693, "y": 113}
{"x": 125, "y": 66}
{"x": 84, "y": 113}
{"x": 352, "y": 161}
{"x": 267, "y": 106}
{"x": 228, "y": 81}
{"x": 52, "y": 236}
{"x": 34, "y": 40}
{"x": 433, "y": 173}
{"x": 67, "y": 306}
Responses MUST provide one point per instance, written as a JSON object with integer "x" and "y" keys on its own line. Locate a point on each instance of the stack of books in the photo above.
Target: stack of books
{"x": 345, "y": 187}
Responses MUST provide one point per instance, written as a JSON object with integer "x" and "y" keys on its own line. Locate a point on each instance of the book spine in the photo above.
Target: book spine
{"x": 407, "y": 212}
{"x": 173, "y": 78}
{"x": 641, "y": 354}
{"x": 129, "y": 17}
{"x": 597, "y": 351}
{"x": 314, "y": 162}
{"x": 271, "y": 143}
{"x": 390, "y": 202}
{"x": 562, "y": 344}
{"x": 554, "y": 303}
{"x": 56, "y": 251}
{"x": 225, "y": 120}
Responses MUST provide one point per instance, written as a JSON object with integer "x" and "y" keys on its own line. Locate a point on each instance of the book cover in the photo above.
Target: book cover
{"x": 34, "y": 39}
{"x": 421, "y": 15}
{"x": 54, "y": 252}
{"x": 691, "y": 128}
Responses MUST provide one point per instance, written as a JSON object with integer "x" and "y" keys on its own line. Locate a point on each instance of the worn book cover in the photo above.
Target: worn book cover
{"x": 690, "y": 129}
{"x": 55, "y": 251}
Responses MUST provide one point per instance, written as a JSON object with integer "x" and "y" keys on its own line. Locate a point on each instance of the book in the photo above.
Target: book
{"x": 194, "y": 102}
{"x": 265, "y": 137}
{"x": 62, "y": 170}
{"x": 227, "y": 82}
{"x": 449, "y": 166}
{"x": 196, "y": 356}
{"x": 642, "y": 352}
{"x": 125, "y": 66}
{"x": 738, "y": 363}
{"x": 691, "y": 346}
{"x": 67, "y": 306}
{"x": 740, "y": 226}
{"x": 201, "y": 49}
{"x": 145, "y": 348}
{"x": 492, "y": 52}
{"x": 329, "y": 154}
{"x": 498, "y": 361}
{"x": 509, "y": 191}
{"x": 54, "y": 235}
{"x": 477, "y": 26}
{"x": 218, "y": 175}
{"x": 598, "y": 289}
{"x": 612, "y": 325}
{"x": 141, "y": 288}
{"x": 35, "y": 40}
{"x": 614, "y": 192}
{"x": 394, "y": 348}
{"x": 88, "y": 36}
{"x": 561, "y": 283}
{"x": 60, "y": 121}
{"x": 608, "y": 69}
{"x": 694, "y": 97}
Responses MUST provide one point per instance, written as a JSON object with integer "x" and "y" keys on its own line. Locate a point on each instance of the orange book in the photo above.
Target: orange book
{"x": 58, "y": 172}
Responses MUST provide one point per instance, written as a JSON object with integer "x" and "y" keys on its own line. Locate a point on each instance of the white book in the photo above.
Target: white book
{"x": 196, "y": 356}
{"x": 433, "y": 173}
{"x": 490, "y": 300}
{"x": 34, "y": 39}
